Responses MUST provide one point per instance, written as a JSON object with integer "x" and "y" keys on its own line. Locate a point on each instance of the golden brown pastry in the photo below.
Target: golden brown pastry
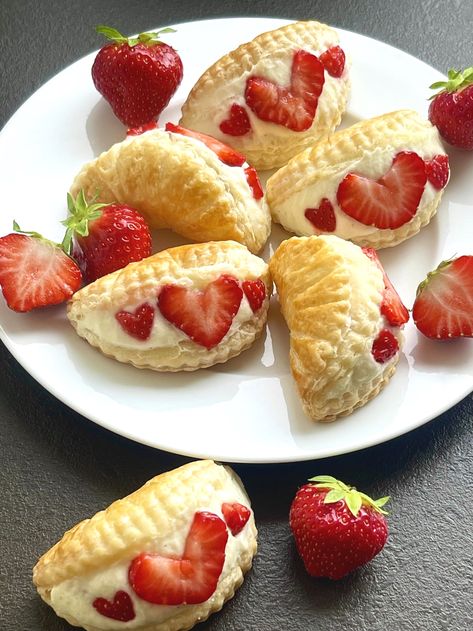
{"x": 376, "y": 183}
{"x": 272, "y": 97}
{"x": 184, "y": 308}
{"x": 161, "y": 559}
{"x": 197, "y": 187}
{"x": 344, "y": 319}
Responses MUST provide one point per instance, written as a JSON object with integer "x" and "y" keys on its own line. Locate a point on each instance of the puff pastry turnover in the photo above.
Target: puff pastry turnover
{"x": 344, "y": 319}
{"x": 180, "y": 182}
{"x": 376, "y": 183}
{"x": 184, "y": 308}
{"x": 272, "y": 97}
{"x": 161, "y": 559}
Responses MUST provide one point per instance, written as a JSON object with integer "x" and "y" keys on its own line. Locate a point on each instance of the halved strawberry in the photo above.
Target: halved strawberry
{"x": 236, "y": 516}
{"x": 190, "y": 579}
{"x": 255, "y": 292}
{"x": 137, "y": 323}
{"x": 385, "y": 346}
{"x": 253, "y": 182}
{"x": 389, "y": 202}
{"x": 226, "y": 154}
{"x": 391, "y": 306}
{"x": 438, "y": 171}
{"x": 237, "y": 123}
{"x": 205, "y": 316}
{"x": 35, "y": 272}
{"x": 295, "y": 106}
{"x": 334, "y": 61}
{"x": 443, "y": 307}
{"x": 322, "y": 218}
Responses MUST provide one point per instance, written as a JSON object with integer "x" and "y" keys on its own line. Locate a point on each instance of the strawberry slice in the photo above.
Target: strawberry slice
{"x": 205, "y": 316}
{"x": 226, "y": 154}
{"x": 385, "y": 346}
{"x": 334, "y": 61}
{"x": 322, "y": 218}
{"x": 190, "y": 579}
{"x": 438, "y": 171}
{"x": 255, "y": 292}
{"x": 253, "y": 182}
{"x": 237, "y": 123}
{"x": 389, "y": 202}
{"x": 35, "y": 272}
{"x": 137, "y": 323}
{"x": 295, "y": 106}
{"x": 236, "y": 516}
{"x": 120, "y": 608}
{"x": 391, "y": 307}
{"x": 443, "y": 307}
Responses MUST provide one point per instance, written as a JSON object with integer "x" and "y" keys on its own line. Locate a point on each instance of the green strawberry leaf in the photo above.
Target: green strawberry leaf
{"x": 335, "y": 495}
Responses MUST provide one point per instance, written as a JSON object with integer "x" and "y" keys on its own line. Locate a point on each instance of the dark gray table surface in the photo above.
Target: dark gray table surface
{"x": 58, "y": 468}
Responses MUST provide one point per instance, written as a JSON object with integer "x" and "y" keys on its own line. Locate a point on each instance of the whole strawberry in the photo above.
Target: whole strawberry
{"x": 104, "y": 237}
{"x": 336, "y": 528}
{"x": 451, "y": 109}
{"x": 136, "y": 75}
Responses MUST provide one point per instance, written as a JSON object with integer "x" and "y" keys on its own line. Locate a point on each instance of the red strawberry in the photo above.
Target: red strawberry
{"x": 190, "y": 579}
{"x": 205, "y": 316}
{"x": 389, "y": 202}
{"x": 391, "y": 306}
{"x": 226, "y": 154}
{"x": 334, "y": 61}
{"x": 253, "y": 182}
{"x": 255, "y": 292}
{"x": 35, "y": 272}
{"x": 385, "y": 346}
{"x": 295, "y": 106}
{"x": 451, "y": 109}
{"x": 137, "y": 131}
{"x": 438, "y": 171}
{"x": 237, "y": 123}
{"x": 336, "y": 528}
{"x": 323, "y": 217}
{"x": 120, "y": 608}
{"x": 139, "y": 323}
{"x": 443, "y": 307}
{"x": 236, "y": 516}
{"x": 104, "y": 237}
{"x": 136, "y": 75}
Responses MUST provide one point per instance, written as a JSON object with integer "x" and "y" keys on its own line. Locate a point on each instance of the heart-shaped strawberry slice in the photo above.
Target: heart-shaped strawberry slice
{"x": 438, "y": 171}
{"x": 389, "y": 202}
{"x": 334, "y": 61}
{"x": 205, "y": 316}
{"x": 236, "y": 516}
{"x": 187, "y": 580}
{"x": 225, "y": 153}
{"x": 137, "y": 323}
{"x": 237, "y": 123}
{"x": 120, "y": 608}
{"x": 255, "y": 292}
{"x": 385, "y": 346}
{"x": 295, "y": 106}
{"x": 323, "y": 217}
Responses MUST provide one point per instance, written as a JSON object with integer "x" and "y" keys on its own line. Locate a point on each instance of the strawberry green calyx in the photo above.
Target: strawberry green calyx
{"x": 35, "y": 235}
{"x": 143, "y": 38}
{"x": 457, "y": 80}
{"x": 431, "y": 275}
{"x": 354, "y": 499}
{"x": 81, "y": 213}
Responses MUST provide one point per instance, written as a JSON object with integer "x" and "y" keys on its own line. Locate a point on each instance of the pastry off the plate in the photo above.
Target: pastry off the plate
{"x": 344, "y": 319}
{"x": 376, "y": 183}
{"x": 161, "y": 559}
{"x": 190, "y": 183}
{"x": 185, "y": 308}
{"x": 272, "y": 97}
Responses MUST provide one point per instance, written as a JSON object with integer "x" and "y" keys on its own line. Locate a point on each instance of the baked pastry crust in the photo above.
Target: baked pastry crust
{"x": 192, "y": 266}
{"x": 179, "y": 183}
{"x": 269, "y": 55}
{"x": 145, "y": 520}
{"x": 330, "y": 294}
{"x": 316, "y": 173}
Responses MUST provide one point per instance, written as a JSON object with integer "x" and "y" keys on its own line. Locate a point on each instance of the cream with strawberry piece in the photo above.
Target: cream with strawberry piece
{"x": 171, "y": 554}
{"x": 376, "y": 183}
{"x": 275, "y": 95}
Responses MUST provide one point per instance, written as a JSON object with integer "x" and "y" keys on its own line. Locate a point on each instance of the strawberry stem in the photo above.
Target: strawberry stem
{"x": 354, "y": 499}
{"x": 81, "y": 213}
{"x": 151, "y": 37}
{"x": 456, "y": 81}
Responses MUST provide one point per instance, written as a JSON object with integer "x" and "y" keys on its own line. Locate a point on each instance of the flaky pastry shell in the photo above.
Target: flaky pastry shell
{"x": 155, "y": 519}
{"x": 92, "y": 309}
{"x": 330, "y": 294}
{"x": 269, "y": 55}
{"x": 179, "y": 183}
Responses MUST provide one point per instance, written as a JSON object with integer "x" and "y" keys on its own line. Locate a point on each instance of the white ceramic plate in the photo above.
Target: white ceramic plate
{"x": 246, "y": 410}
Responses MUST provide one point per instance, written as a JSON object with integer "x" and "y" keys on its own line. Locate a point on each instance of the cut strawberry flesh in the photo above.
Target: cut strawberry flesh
{"x": 236, "y": 516}
{"x": 334, "y": 61}
{"x": 237, "y": 123}
{"x": 253, "y": 182}
{"x": 385, "y": 347}
{"x": 255, "y": 292}
{"x": 190, "y": 579}
{"x": 389, "y": 202}
{"x": 138, "y": 323}
{"x": 205, "y": 316}
{"x": 438, "y": 171}
{"x": 322, "y": 218}
{"x": 137, "y": 131}
{"x": 226, "y": 154}
{"x": 120, "y": 608}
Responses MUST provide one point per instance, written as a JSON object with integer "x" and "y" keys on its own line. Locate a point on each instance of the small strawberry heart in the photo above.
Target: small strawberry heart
{"x": 438, "y": 171}
{"x": 255, "y": 292}
{"x": 120, "y": 608}
{"x": 236, "y": 516}
{"x": 385, "y": 346}
{"x": 323, "y": 217}
{"x": 334, "y": 61}
{"x": 138, "y": 323}
{"x": 253, "y": 182}
{"x": 237, "y": 123}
